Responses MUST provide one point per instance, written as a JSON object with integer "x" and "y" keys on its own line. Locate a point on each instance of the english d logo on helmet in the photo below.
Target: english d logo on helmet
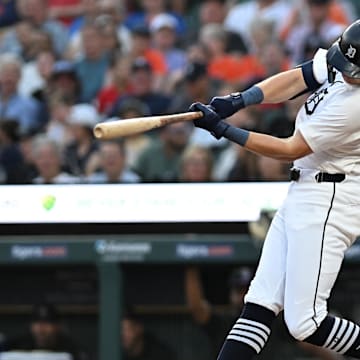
{"x": 351, "y": 52}
{"x": 344, "y": 54}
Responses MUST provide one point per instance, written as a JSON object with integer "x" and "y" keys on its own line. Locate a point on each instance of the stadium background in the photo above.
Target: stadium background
{"x": 63, "y": 264}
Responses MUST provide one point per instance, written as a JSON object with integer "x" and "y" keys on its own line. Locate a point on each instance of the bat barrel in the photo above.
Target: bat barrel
{"x": 128, "y": 127}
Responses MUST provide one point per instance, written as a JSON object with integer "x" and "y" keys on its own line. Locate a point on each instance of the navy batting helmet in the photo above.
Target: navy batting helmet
{"x": 344, "y": 54}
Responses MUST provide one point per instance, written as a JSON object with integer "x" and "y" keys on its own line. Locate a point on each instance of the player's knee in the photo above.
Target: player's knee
{"x": 299, "y": 327}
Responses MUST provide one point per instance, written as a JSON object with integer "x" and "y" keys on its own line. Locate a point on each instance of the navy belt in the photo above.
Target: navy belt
{"x": 319, "y": 177}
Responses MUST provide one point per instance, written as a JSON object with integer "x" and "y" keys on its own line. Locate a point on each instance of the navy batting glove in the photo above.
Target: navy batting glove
{"x": 227, "y": 105}
{"x": 210, "y": 121}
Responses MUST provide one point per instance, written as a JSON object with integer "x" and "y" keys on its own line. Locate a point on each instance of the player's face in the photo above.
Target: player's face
{"x": 351, "y": 80}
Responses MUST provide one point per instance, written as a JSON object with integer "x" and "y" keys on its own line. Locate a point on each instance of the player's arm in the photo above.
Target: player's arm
{"x": 286, "y": 149}
{"x": 283, "y": 86}
{"x": 275, "y": 89}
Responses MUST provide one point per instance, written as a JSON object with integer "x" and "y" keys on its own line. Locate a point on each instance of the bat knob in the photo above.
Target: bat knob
{"x": 98, "y": 131}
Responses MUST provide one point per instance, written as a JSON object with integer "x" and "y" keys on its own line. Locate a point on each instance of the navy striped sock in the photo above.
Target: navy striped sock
{"x": 249, "y": 334}
{"x": 339, "y": 335}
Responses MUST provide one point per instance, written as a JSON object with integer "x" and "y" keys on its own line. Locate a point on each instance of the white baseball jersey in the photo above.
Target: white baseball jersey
{"x": 318, "y": 221}
{"x": 330, "y": 123}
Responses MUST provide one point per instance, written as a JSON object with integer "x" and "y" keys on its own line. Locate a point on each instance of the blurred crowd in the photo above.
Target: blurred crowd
{"x": 66, "y": 65}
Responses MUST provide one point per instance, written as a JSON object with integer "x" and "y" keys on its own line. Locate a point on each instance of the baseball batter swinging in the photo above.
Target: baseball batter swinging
{"x": 320, "y": 218}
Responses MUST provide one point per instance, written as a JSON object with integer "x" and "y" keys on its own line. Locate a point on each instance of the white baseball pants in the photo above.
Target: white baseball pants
{"x": 304, "y": 250}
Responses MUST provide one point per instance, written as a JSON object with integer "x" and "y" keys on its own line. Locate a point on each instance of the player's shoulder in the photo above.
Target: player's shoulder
{"x": 320, "y": 68}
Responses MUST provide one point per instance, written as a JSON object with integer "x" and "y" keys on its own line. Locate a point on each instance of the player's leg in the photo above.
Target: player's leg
{"x": 263, "y": 300}
{"x": 316, "y": 249}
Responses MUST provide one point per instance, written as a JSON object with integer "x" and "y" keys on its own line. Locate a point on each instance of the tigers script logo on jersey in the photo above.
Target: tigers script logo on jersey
{"x": 314, "y": 100}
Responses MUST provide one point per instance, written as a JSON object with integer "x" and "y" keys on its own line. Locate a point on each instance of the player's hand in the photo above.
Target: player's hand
{"x": 227, "y": 105}
{"x": 210, "y": 120}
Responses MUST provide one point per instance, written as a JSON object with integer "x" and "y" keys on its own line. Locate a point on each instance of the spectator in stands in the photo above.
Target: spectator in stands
{"x": 31, "y": 41}
{"x": 135, "y": 144}
{"x": 149, "y": 9}
{"x": 12, "y": 167}
{"x": 196, "y": 85}
{"x": 316, "y": 26}
{"x": 109, "y": 37}
{"x": 91, "y": 9}
{"x": 142, "y": 48}
{"x": 26, "y": 148}
{"x": 13, "y": 105}
{"x": 273, "y": 59}
{"x": 196, "y": 164}
{"x": 48, "y": 160}
{"x": 141, "y": 85}
{"x": 9, "y": 14}
{"x": 224, "y": 66}
{"x": 261, "y": 32}
{"x": 81, "y": 155}
{"x": 22, "y": 32}
{"x": 65, "y": 11}
{"x": 58, "y": 128}
{"x": 63, "y": 80}
{"x": 160, "y": 161}
{"x": 140, "y": 344}
{"x": 164, "y": 39}
{"x": 40, "y": 41}
{"x": 240, "y": 17}
{"x": 109, "y": 11}
{"x": 197, "y": 53}
{"x": 35, "y": 12}
{"x": 95, "y": 62}
{"x": 36, "y": 74}
{"x": 214, "y": 12}
{"x": 46, "y": 333}
{"x": 341, "y": 12}
{"x": 179, "y": 6}
{"x": 119, "y": 84}
{"x": 112, "y": 165}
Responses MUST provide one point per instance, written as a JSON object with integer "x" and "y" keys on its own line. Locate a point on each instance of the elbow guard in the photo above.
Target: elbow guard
{"x": 309, "y": 77}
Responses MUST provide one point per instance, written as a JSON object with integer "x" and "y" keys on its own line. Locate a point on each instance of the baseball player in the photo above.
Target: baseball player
{"x": 320, "y": 218}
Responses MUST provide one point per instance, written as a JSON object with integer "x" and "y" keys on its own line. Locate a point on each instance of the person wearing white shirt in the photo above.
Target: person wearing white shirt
{"x": 240, "y": 18}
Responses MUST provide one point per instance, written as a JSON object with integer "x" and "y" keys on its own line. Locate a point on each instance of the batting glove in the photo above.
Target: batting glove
{"x": 227, "y": 105}
{"x": 210, "y": 120}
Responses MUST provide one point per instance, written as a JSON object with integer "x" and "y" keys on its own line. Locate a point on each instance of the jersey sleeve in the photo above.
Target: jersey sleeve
{"x": 320, "y": 69}
{"x": 315, "y": 72}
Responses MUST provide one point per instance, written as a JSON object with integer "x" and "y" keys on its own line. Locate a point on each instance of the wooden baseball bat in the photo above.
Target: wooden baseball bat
{"x": 119, "y": 128}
